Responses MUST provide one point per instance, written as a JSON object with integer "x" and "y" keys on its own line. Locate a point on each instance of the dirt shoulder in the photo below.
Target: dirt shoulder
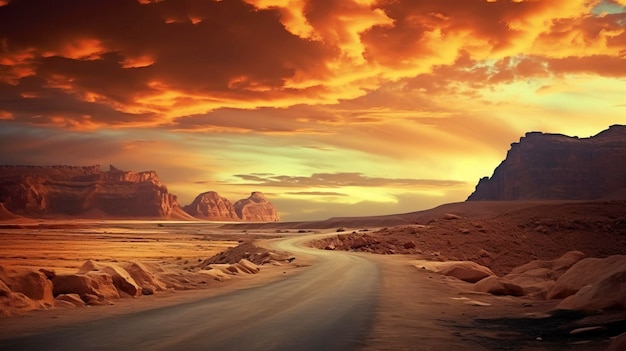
{"x": 419, "y": 309}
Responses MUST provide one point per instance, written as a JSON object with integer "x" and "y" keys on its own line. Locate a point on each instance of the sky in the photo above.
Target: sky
{"x": 330, "y": 108}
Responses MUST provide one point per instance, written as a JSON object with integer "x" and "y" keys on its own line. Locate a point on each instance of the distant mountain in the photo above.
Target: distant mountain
{"x": 86, "y": 192}
{"x": 559, "y": 167}
{"x": 211, "y": 206}
{"x": 256, "y": 208}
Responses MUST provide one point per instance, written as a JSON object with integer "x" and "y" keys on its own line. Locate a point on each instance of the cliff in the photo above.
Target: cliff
{"x": 559, "y": 167}
{"x": 211, "y": 206}
{"x": 50, "y": 191}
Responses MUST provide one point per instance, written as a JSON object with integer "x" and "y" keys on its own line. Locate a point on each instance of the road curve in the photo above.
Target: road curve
{"x": 327, "y": 306}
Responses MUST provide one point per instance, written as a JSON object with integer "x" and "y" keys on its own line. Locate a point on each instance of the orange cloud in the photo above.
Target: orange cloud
{"x": 80, "y": 49}
{"x": 137, "y": 62}
{"x": 280, "y": 53}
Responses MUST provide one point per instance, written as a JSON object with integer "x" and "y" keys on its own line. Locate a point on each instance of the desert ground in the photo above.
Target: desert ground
{"x": 416, "y": 308}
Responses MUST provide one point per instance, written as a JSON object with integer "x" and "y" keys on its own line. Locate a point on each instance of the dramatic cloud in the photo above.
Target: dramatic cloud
{"x": 394, "y": 94}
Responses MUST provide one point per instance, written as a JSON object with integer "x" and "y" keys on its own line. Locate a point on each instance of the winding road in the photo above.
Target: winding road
{"x": 327, "y": 306}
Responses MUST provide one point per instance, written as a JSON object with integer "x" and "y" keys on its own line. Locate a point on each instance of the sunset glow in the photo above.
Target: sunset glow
{"x": 330, "y": 108}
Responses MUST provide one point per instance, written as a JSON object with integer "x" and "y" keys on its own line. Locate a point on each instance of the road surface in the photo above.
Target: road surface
{"x": 327, "y": 306}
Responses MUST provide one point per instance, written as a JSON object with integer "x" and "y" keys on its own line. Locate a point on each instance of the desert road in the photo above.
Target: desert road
{"x": 327, "y": 306}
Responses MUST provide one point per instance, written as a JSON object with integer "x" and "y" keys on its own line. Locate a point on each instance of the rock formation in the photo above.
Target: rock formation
{"x": 211, "y": 206}
{"x": 49, "y": 191}
{"x": 256, "y": 208}
{"x": 555, "y": 166}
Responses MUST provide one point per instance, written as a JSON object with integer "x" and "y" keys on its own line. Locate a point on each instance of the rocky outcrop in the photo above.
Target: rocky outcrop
{"x": 50, "y": 191}
{"x": 212, "y": 206}
{"x": 256, "y": 208}
{"x": 122, "y": 280}
{"x": 593, "y": 284}
{"x": 538, "y": 277}
{"x": 555, "y": 166}
{"x": 23, "y": 289}
{"x": 91, "y": 283}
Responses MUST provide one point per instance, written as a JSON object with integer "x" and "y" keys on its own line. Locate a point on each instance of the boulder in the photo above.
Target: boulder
{"x": 557, "y": 266}
{"x": 225, "y": 268}
{"x": 93, "y": 283}
{"x": 498, "y": 286}
{"x": 467, "y": 271}
{"x": 95, "y": 300}
{"x": 32, "y": 284}
{"x": 464, "y": 270}
{"x": 249, "y": 266}
{"x": 566, "y": 261}
{"x": 122, "y": 280}
{"x": 15, "y": 303}
{"x": 590, "y": 271}
{"x": 73, "y": 299}
{"x": 216, "y": 274}
{"x": 538, "y": 277}
{"x": 147, "y": 291}
{"x": 606, "y": 293}
{"x": 143, "y": 275}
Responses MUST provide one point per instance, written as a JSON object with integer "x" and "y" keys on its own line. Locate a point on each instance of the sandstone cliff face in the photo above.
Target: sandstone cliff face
{"x": 212, "y": 206}
{"x": 35, "y": 191}
{"x": 554, "y": 166}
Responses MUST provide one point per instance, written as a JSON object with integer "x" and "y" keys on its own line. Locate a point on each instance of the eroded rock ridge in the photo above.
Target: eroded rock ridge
{"x": 211, "y": 206}
{"x": 556, "y": 166}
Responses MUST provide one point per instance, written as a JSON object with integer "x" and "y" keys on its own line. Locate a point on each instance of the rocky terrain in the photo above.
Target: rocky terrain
{"x": 569, "y": 257}
{"x": 102, "y": 283}
{"x": 211, "y": 206}
{"x": 87, "y": 192}
{"x": 502, "y": 240}
{"x": 555, "y": 166}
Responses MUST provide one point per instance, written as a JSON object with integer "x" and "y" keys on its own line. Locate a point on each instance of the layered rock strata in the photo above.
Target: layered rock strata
{"x": 49, "y": 191}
